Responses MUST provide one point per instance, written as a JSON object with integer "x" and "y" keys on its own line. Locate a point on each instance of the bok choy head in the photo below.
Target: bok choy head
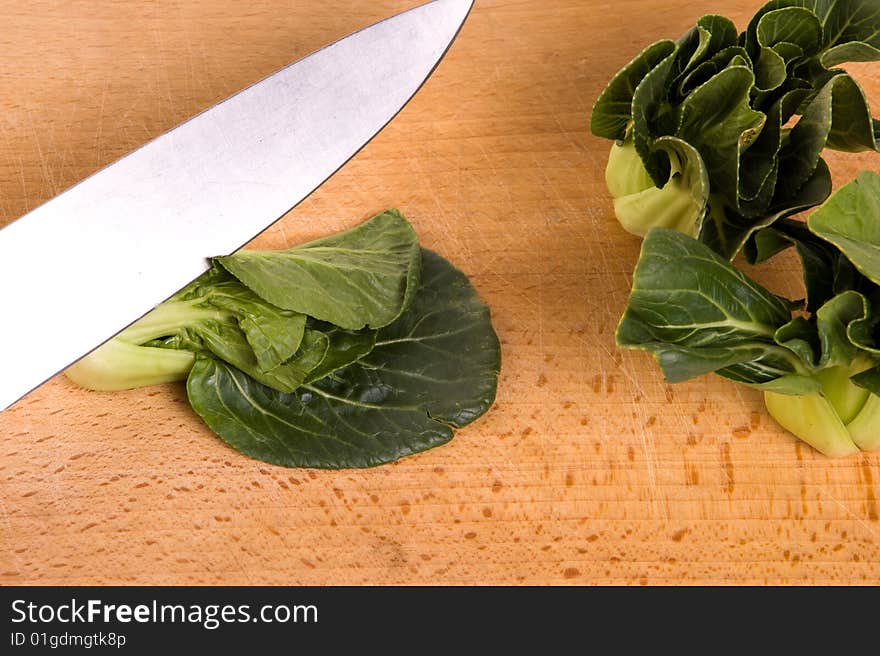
{"x": 817, "y": 359}
{"x": 719, "y": 134}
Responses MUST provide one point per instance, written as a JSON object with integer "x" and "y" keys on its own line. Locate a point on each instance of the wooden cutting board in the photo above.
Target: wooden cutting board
{"x": 588, "y": 469}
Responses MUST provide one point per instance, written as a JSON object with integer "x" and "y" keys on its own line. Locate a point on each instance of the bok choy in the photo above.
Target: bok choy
{"x": 816, "y": 360}
{"x": 349, "y": 351}
{"x": 719, "y": 134}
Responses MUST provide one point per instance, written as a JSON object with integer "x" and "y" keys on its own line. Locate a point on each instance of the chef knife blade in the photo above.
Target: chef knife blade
{"x": 92, "y": 260}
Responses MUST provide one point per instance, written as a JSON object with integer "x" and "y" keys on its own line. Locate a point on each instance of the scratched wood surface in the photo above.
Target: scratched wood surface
{"x": 588, "y": 469}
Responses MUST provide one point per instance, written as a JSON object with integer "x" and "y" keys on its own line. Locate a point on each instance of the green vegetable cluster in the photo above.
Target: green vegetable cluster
{"x": 349, "y": 351}
{"x": 817, "y": 360}
{"x": 718, "y": 145}
{"x": 719, "y": 134}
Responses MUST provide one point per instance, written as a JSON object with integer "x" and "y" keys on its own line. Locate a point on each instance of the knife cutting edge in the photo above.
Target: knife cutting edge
{"x": 112, "y": 247}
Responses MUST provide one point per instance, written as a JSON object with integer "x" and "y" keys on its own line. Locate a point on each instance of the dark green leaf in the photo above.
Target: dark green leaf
{"x": 612, "y": 111}
{"x": 869, "y": 380}
{"x": 855, "y": 22}
{"x": 717, "y": 120}
{"x": 865, "y": 333}
{"x": 731, "y": 56}
{"x": 766, "y": 243}
{"x": 344, "y": 347}
{"x": 819, "y": 259}
{"x": 697, "y": 313}
{"x": 726, "y": 231}
{"x": 323, "y": 429}
{"x": 273, "y": 334}
{"x": 800, "y": 337}
{"x": 850, "y": 52}
{"x": 850, "y": 220}
{"x": 833, "y": 321}
{"x": 842, "y": 21}
{"x": 759, "y": 164}
{"x": 795, "y": 25}
{"x": 711, "y": 35}
{"x": 650, "y": 105}
{"x": 852, "y": 127}
{"x": 756, "y": 363}
{"x": 800, "y": 155}
{"x": 770, "y": 70}
{"x": 433, "y": 369}
{"x": 788, "y": 51}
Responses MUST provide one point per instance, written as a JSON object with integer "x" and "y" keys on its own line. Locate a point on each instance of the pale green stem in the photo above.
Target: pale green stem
{"x": 118, "y": 365}
{"x": 813, "y": 419}
{"x": 123, "y": 363}
{"x": 844, "y": 396}
{"x": 865, "y": 428}
{"x": 166, "y": 319}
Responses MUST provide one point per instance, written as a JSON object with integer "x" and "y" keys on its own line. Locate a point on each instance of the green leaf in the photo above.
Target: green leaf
{"x": 730, "y": 56}
{"x": 432, "y": 370}
{"x": 697, "y": 313}
{"x": 726, "y": 231}
{"x": 833, "y": 321}
{"x": 843, "y": 22}
{"x": 228, "y": 342}
{"x": 344, "y": 347}
{"x": 273, "y": 334}
{"x": 850, "y": 219}
{"x": 444, "y": 351}
{"x": 850, "y": 52}
{"x": 770, "y": 70}
{"x": 869, "y": 380}
{"x": 865, "y": 333}
{"x": 800, "y": 155}
{"x": 651, "y": 106}
{"x": 759, "y": 164}
{"x": 800, "y": 337}
{"x": 361, "y": 277}
{"x": 612, "y": 111}
{"x": 717, "y": 120}
{"x": 851, "y": 30}
{"x": 820, "y": 260}
{"x": 711, "y": 35}
{"x": 794, "y": 25}
{"x": 788, "y": 51}
{"x": 852, "y": 127}
{"x": 766, "y": 243}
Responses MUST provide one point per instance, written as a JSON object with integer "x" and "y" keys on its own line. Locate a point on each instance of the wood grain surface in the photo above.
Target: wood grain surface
{"x": 588, "y": 469}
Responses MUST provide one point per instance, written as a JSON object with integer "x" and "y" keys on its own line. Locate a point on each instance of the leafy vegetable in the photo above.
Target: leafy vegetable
{"x": 639, "y": 205}
{"x": 362, "y": 277}
{"x": 818, "y": 363}
{"x": 851, "y": 221}
{"x": 432, "y": 370}
{"x": 749, "y": 115}
{"x": 349, "y": 351}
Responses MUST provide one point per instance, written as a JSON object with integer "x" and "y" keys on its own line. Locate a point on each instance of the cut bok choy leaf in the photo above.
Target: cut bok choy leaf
{"x": 350, "y": 351}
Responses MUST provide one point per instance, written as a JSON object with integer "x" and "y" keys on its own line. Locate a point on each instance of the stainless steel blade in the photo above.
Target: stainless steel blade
{"x": 81, "y": 267}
